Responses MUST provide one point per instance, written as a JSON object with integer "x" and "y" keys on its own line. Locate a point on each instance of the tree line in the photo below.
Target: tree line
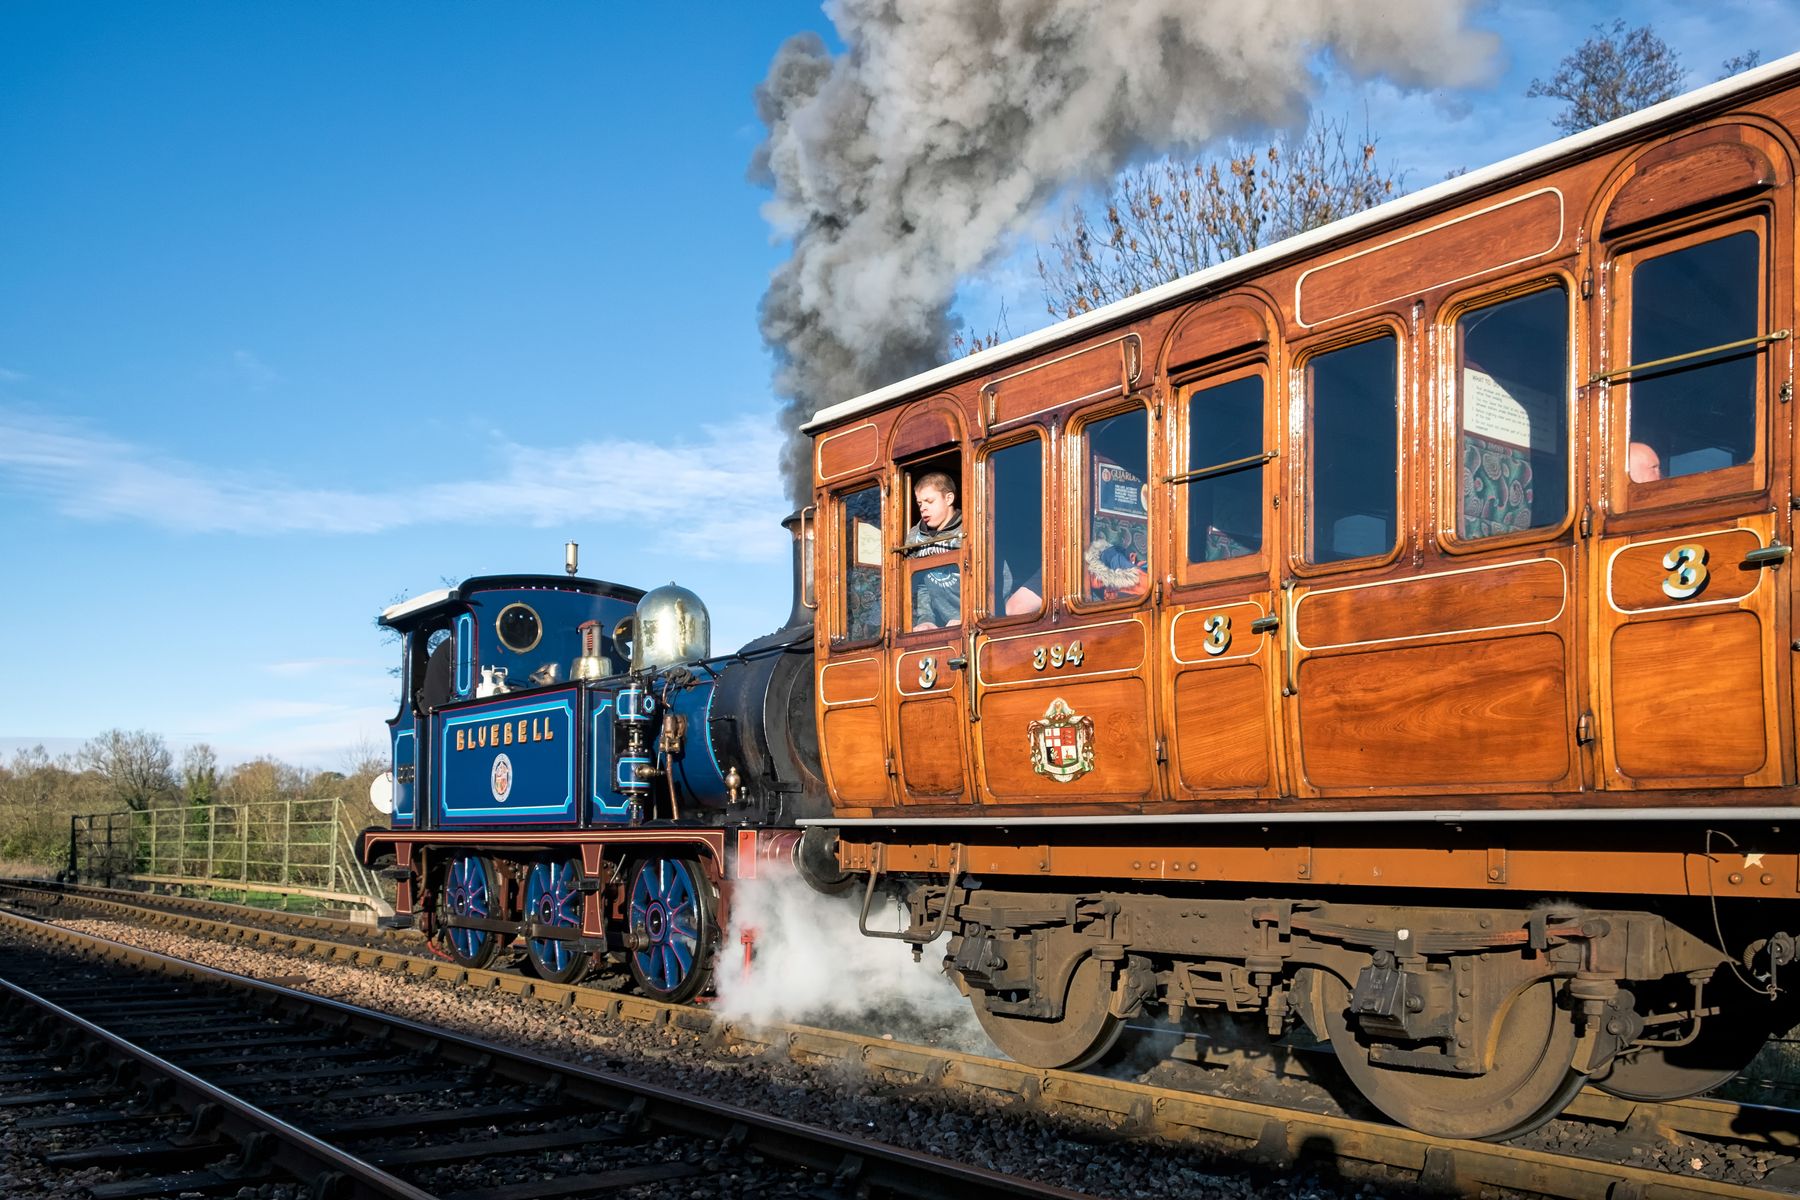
{"x": 135, "y": 770}
{"x": 1173, "y": 216}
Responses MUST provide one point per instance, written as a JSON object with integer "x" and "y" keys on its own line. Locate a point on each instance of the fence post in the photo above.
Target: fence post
{"x": 74, "y": 861}
{"x": 244, "y": 851}
{"x": 287, "y": 841}
{"x": 331, "y": 845}
{"x": 212, "y": 818}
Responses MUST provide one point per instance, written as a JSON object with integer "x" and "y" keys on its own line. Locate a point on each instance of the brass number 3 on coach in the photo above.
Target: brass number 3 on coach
{"x": 1686, "y": 566}
{"x": 1056, "y": 656}
{"x": 1218, "y": 633}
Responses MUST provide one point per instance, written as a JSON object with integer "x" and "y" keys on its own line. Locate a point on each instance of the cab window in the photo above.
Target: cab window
{"x": 1115, "y": 541}
{"x": 1512, "y": 388}
{"x": 1696, "y": 413}
{"x": 1352, "y": 395}
{"x": 861, "y": 542}
{"x": 932, "y": 551}
{"x": 1224, "y": 476}
{"x": 1015, "y": 482}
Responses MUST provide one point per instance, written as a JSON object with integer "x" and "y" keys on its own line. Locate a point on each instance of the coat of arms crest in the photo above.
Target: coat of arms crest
{"x": 1062, "y": 743}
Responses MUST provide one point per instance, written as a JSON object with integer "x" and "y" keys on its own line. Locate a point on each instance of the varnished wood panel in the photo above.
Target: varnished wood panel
{"x": 1188, "y": 635}
{"x": 931, "y": 746}
{"x": 1089, "y": 374}
{"x": 1512, "y": 232}
{"x": 1702, "y": 166}
{"x": 1106, "y": 647}
{"x": 1122, "y": 765}
{"x": 1506, "y": 595}
{"x": 1478, "y": 713}
{"x": 921, "y": 431}
{"x": 1687, "y": 696}
{"x": 847, "y": 451}
{"x": 855, "y": 753}
{"x": 1212, "y": 332}
{"x": 850, "y": 682}
{"x": 1636, "y": 573}
{"x": 1222, "y": 728}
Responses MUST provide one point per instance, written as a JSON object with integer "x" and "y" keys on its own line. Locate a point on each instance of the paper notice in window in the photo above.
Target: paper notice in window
{"x": 1502, "y": 414}
{"x": 868, "y": 544}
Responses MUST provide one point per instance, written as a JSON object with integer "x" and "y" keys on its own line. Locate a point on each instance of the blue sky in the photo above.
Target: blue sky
{"x": 308, "y": 307}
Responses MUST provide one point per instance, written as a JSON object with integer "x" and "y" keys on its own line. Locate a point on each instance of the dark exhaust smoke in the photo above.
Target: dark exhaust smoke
{"x": 900, "y": 166}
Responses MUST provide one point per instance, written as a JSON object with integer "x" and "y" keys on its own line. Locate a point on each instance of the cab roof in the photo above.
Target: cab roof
{"x": 409, "y": 614}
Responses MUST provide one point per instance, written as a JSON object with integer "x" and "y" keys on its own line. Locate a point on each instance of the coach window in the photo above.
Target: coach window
{"x": 861, "y": 542}
{"x": 932, "y": 551}
{"x": 1223, "y": 479}
{"x": 1115, "y": 532}
{"x": 1353, "y": 400}
{"x": 1695, "y": 316}
{"x": 1015, "y": 508}
{"x": 1512, "y": 396}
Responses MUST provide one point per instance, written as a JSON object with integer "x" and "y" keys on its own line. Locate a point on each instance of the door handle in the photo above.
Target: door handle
{"x": 1768, "y": 556}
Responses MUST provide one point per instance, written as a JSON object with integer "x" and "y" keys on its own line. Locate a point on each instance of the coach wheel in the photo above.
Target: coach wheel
{"x": 551, "y": 898}
{"x": 470, "y": 891}
{"x": 671, "y": 928}
{"x": 1077, "y": 1039}
{"x": 1723, "y": 1046}
{"x": 1531, "y": 1080}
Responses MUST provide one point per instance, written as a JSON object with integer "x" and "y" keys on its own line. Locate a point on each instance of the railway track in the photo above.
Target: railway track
{"x": 1611, "y": 1130}
{"x": 143, "y": 1068}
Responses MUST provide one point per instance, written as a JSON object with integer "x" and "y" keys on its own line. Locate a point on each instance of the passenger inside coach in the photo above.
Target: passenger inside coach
{"x": 937, "y": 592}
{"x": 1642, "y": 463}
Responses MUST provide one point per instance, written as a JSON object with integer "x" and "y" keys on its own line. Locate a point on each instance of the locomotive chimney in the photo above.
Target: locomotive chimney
{"x": 803, "y": 533}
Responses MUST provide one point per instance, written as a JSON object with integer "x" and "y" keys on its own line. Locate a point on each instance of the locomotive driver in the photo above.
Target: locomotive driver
{"x": 937, "y": 593}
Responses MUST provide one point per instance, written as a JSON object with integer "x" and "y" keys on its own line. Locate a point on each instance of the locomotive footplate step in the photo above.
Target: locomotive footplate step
{"x": 577, "y": 1185}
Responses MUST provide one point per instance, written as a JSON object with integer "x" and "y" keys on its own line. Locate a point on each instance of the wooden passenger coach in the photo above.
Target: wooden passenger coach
{"x": 1438, "y": 554}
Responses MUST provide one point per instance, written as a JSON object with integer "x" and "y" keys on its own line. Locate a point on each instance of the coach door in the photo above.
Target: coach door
{"x": 928, "y": 655}
{"x": 853, "y": 601}
{"x": 1690, "y": 598}
{"x": 1222, "y": 621}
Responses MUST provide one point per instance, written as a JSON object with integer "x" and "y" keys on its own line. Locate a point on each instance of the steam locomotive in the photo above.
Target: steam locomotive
{"x": 573, "y": 771}
{"x": 1388, "y": 633}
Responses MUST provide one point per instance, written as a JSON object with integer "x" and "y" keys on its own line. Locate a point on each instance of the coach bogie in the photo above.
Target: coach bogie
{"x": 1464, "y": 1022}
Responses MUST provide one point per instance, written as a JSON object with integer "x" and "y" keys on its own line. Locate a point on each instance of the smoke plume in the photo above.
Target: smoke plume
{"x": 901, "y": 165}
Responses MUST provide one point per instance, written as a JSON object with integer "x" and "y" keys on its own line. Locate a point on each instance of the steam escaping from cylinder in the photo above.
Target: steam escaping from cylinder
{"x": 900, "y": 166}
{"x": 811, "y": 965}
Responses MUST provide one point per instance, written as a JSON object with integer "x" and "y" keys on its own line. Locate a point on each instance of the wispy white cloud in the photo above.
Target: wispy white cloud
{"x": 8, "y": 376}
{"x": 256, "y": 374}
{"x": 700, "y": 493}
